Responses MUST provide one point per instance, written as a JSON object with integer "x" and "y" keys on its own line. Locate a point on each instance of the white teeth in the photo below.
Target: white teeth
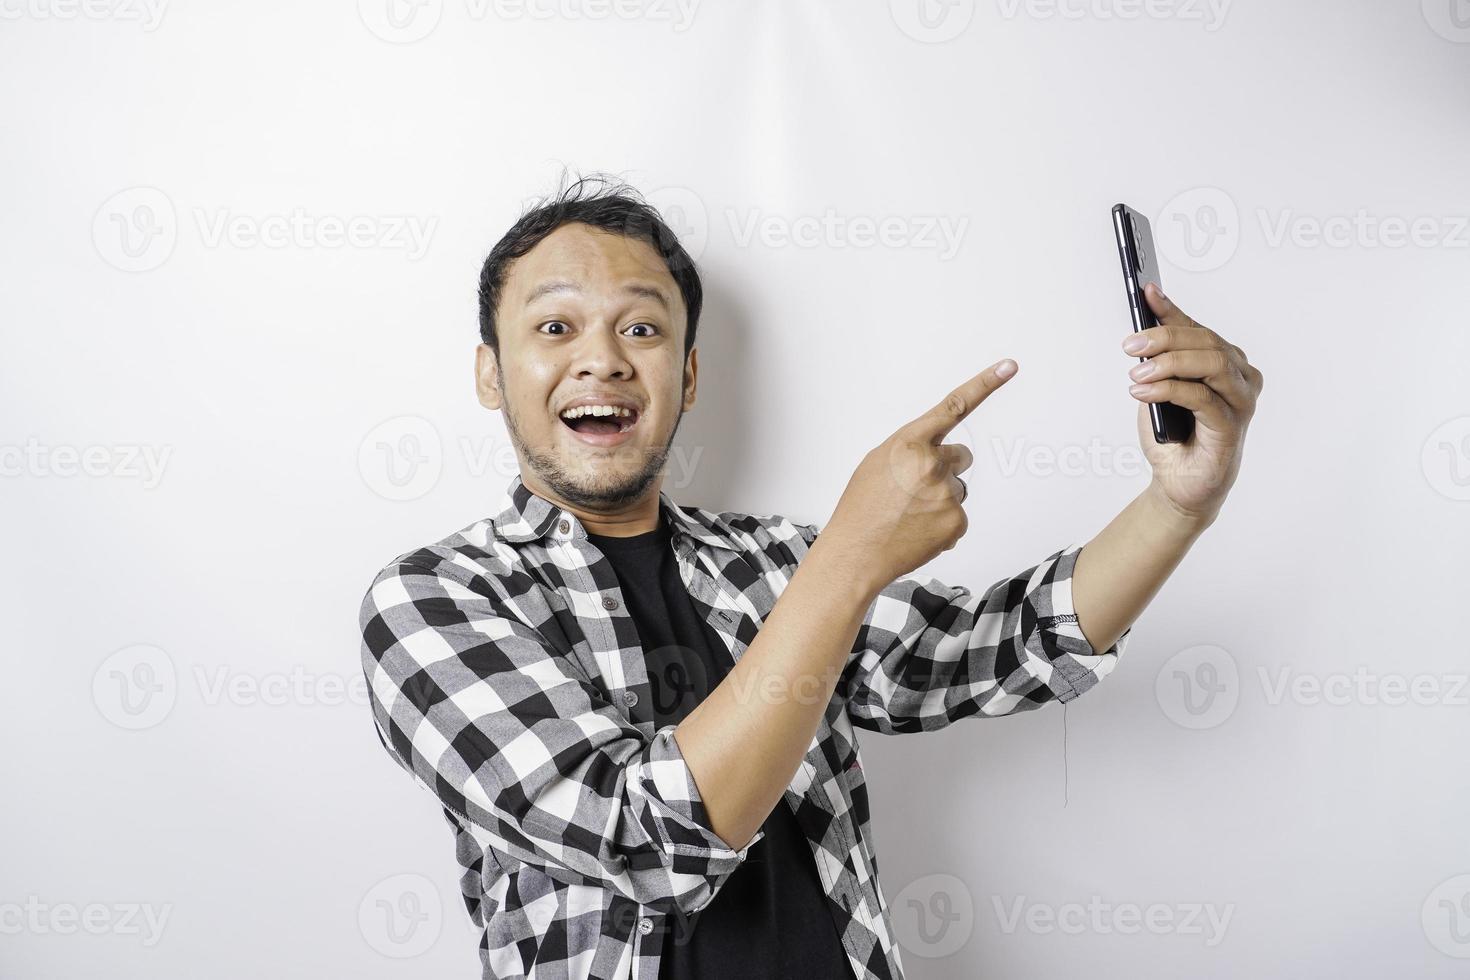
{"x": 581, "y": 410}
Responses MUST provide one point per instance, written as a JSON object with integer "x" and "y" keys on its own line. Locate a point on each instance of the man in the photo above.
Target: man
{"x": 639, "y": 718}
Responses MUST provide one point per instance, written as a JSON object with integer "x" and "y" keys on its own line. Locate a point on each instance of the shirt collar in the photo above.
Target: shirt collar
{"x": 525, "y": 517}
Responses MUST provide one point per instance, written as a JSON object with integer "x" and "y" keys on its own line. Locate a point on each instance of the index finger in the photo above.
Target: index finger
{"x": 936, "y": 423}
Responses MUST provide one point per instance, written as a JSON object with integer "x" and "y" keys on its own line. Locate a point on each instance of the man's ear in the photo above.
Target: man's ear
{"x": 487, "y": 377}
{"x": 691, "y": 377}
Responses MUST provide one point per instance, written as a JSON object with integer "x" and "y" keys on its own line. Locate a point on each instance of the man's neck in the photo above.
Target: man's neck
{"x": 623, "y": 521}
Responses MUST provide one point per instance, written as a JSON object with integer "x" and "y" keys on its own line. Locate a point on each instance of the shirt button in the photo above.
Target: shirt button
{"x": 563, "y": 525}
{"x": 630, "y": 698}
{"x": 645, "y": 925}
{"x": 609, "y": 603}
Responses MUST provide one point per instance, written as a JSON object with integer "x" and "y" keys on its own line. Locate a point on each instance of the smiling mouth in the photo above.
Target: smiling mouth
{"x": 601, "y": 425}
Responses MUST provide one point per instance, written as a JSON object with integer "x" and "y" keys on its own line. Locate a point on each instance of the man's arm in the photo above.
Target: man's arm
{"x": 901, "y": 508}
{"x": 930, "y": 654}
{"x": 1120, "y": 570}
{"x": 1189, "y": 365}
{"x": 745, "y": 740}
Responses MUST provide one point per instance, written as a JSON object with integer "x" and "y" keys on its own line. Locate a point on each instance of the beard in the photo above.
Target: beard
{"x": 596, "y": 491}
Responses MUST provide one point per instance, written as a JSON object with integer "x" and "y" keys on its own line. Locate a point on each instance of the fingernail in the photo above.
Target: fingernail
{"x": 1135, "y": 343}
{"x": 1141, "y": 371}
{"x": 1159, "y": 289}
{"x": 1137, "y": 389}
{"x": 1005, "y": 368}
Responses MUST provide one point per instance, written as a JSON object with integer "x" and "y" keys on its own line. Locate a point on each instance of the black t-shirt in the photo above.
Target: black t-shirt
{"x": 771, "y": 918}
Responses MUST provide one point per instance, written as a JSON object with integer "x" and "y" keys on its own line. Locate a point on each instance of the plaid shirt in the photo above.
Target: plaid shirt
{"x": 505, "y": 675}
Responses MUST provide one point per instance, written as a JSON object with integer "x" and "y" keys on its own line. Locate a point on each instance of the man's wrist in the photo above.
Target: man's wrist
{"x": 843, "y": 569}
{"x": 1175, "y": 519}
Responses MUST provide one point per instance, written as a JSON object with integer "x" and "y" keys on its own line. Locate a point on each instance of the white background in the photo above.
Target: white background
{"x": 185, "y": 731}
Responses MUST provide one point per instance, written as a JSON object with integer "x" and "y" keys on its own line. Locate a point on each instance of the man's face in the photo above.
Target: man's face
{"x": 589, "y": 317}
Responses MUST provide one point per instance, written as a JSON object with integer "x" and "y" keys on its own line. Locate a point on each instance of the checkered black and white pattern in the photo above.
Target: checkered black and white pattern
{"x": 505, "y": 675}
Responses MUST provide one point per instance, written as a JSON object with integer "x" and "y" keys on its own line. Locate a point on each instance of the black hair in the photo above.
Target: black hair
{"x": 602, "y": 201}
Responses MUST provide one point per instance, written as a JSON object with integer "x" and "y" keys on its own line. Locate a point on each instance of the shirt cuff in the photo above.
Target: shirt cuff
{"x": 679, "y": 813}
{"x": 1076, "y": 666}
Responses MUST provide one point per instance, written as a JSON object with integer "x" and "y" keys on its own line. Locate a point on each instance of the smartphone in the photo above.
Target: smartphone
{"x": 1171, "y": 423}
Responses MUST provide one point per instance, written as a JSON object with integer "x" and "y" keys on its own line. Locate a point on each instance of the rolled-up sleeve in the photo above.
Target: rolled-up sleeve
{"x": 929, "y": 654}
{"x": 525, "y": 751}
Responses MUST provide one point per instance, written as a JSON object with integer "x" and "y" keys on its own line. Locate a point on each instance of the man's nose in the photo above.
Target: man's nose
{"x": 599, "y": 355}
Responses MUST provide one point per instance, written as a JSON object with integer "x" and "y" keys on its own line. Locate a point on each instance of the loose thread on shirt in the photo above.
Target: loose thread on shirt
{"x": 1065, "y": 774}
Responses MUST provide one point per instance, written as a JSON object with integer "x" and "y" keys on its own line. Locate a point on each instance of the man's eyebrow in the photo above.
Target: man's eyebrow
{"x": 566, "y": 286}
{"x": 648, "y": 292}
{"x": 552, "y": 286}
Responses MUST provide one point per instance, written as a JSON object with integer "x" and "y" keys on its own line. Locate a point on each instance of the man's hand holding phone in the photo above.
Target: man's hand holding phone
{"x": 1192, "y": 366}
{"x": 902, "y": 506}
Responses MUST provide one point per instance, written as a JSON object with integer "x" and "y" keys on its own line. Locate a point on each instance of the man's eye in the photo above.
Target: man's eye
{"x": 652, "y": 330}
{"x": 553, "y": 323}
